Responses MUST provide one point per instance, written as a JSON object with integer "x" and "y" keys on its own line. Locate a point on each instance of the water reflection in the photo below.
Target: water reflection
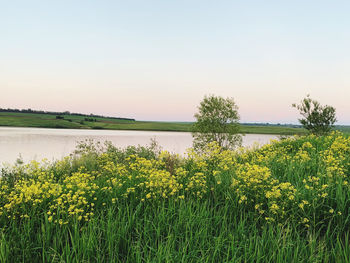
{"x": 38, "y": 143}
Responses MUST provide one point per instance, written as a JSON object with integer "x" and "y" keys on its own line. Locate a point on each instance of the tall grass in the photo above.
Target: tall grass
{"x": 284, "y": 202}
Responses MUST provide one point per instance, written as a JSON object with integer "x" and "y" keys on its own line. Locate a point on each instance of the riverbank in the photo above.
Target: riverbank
{"x": 283, "y": 202}
{"x": 83, "y": 122}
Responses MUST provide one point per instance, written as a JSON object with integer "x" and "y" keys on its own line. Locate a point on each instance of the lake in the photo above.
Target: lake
{"x": 39, "y": 143}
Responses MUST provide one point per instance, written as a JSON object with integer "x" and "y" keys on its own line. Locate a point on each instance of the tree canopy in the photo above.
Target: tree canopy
{"x": 216, "y": 120}
{"x": 316, "y": 119}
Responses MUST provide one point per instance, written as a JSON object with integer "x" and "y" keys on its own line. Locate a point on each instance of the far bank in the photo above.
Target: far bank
{"x": 82, "y": 122}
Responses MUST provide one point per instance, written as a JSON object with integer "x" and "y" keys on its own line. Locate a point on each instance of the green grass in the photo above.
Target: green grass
{"x": 182, "y": 232}
{"x": 343, "y": 128}
{"x": 204, "y": 221}
{"x": 77, "y": 122}
{"x": 272, "y": 130}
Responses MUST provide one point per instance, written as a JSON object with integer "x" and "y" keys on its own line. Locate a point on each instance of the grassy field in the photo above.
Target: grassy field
{"x": 344, "y": 129}
{"x": 284, "y": 202}
{"x": 77, "y": 122}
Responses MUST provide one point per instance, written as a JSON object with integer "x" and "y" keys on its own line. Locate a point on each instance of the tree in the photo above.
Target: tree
{"x": 217, "y": 120}
{"x": 318, "y": 120}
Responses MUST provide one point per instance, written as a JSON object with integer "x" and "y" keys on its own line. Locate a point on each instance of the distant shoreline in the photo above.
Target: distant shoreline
{"x": 71, "y": 121}
{"x": 149, "y": 130}
{"x": 88, "y": 122}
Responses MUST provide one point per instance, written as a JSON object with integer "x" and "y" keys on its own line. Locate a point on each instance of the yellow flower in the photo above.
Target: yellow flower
{"x": 305, "y": 220}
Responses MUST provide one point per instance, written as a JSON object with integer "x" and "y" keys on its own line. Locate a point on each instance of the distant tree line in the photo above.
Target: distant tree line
{"x": 288, "y": 125}
{"x": 90, "y": 119}
{"x": 62, "y": 113}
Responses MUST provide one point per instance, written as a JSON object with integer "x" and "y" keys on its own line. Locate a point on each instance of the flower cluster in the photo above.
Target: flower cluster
{"x": 305, "y": 179}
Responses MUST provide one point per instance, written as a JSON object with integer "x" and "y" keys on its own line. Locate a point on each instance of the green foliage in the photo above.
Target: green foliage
{"x": 284, "y": 202}
{"x": 18, "y": 119}
{"x": 217, "y": 120}
{"x": 317, "y": 119}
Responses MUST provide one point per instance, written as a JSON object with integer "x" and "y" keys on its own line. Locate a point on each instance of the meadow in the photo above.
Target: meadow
{"x": 287, "y": 201}
{"x": 78, "y": 122}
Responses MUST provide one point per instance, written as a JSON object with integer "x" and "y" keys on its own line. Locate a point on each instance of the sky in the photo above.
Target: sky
{"x": 157, "y": 59}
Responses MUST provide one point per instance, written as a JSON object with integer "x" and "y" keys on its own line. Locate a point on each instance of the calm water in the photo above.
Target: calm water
{"x": 37, "y": 143}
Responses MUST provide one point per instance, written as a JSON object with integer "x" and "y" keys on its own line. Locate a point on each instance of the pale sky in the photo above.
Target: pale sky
{"x": 155, "y": 60}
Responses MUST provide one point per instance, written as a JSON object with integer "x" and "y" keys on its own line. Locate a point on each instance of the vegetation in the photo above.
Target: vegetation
{"x": 216, "y": 120}
{"x": 343, "y": 128}
{"x": 81, "y": 122}
{"x": 58, "y": 114}
{"x": 284, "y": 202}
{"x": 317, "y": 119}
{"x": 16, "y": 119}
